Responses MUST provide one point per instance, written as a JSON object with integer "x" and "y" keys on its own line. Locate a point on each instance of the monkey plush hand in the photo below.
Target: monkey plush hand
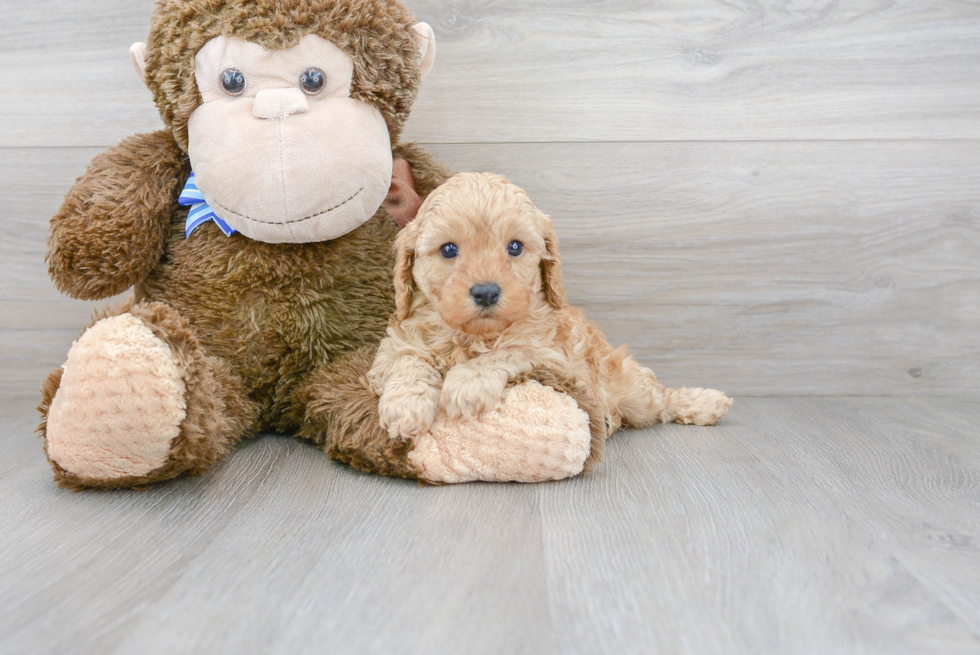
{"x": 256, "y": 231}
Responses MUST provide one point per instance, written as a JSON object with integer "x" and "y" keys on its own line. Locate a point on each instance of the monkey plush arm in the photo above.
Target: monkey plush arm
{"x": 111, "y": 228}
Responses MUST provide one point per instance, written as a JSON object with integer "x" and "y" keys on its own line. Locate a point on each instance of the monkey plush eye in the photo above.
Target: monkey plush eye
{"x": 312, "y": 81}
{"x": 515, "y": 249}
{"x": 449, "y": 251}
{"x": 233, "y": 82}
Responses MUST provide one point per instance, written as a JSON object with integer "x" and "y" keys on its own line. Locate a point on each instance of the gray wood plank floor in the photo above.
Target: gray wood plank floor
{"x": 796, "y": 526}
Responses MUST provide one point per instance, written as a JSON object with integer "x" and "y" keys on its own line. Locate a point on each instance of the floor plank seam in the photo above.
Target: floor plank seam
{"x": 553, "y": 628}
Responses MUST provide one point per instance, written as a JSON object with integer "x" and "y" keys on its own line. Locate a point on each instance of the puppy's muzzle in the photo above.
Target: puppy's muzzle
{"x": 485, "y": 295}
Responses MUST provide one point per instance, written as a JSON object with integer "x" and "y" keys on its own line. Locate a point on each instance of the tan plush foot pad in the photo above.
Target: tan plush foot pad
{"x": 535, "y": 434}
{"x": 120, "y": 403}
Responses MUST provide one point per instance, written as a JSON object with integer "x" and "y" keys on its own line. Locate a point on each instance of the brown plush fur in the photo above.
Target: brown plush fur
{"x": 375, "y": 33}
{"x": 218, "y": 412}
{"x": 342, "y": 415}
{"x": 268, "y": 316}
{"x": 112, "y": 225}
{"x": 259, "y": 331}
{"x": 447, "y": 353}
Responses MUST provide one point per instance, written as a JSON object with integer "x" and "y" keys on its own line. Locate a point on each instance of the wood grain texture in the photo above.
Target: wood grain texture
{"x": 33, "y": 183}
{"x": 796, "y": 525}
{"x": 758, "y": 268}
{"x": 356, "y": 563}
{"x": 709, "y": 540}
{"x": 27, "y": 356}
{"x": 907, "y": 474}
{"x": 699, "y": 70}
{"x": 561, "y": 70}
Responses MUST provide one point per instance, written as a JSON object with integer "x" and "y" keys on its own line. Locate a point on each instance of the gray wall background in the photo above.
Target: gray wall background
{"x": 775, "y": 198}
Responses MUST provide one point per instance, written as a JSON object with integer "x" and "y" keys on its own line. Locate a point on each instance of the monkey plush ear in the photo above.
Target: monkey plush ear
{"x": 551, "y": 279}
{"x": 404, "y": 262}
{"x": 427, "y": 43}
{"x": 403, "y": 200}
{"x": 137, "y": 56}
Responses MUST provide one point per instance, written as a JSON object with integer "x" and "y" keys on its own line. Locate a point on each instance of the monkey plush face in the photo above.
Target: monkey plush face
{"x": 287, "y": 108}
{"x": 280, "y": 150}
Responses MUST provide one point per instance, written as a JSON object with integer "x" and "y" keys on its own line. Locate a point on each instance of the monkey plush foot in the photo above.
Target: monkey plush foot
{"x": 119, "y": 404}
{"x": 535, "y": 434}
{"x": 138, "y": 401}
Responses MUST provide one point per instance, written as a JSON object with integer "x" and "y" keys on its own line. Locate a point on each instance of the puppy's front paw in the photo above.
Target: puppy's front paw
{"x": 472, "y": 390}
{"x": 408, "y": 415}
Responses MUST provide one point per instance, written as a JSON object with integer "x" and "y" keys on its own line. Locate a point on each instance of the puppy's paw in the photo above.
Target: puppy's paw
{"x": 406, "y": 415}
{"x": 700, "y": 406}
{"x": 469, "y": 390}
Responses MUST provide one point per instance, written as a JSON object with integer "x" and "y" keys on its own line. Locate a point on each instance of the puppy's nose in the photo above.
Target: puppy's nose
{"x": 485, "y": 295}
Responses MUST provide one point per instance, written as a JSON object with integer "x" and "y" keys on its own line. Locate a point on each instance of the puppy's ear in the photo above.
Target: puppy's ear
{"x": 554, "y": 288}
{"x": 404, "y": 261}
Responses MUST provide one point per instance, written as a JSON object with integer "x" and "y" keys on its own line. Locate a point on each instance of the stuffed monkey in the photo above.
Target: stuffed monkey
{"x": 256, "y": 231}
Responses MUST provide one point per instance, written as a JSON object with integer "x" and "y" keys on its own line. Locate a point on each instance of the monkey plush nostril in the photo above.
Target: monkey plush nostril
{"x": 485, "y": 295}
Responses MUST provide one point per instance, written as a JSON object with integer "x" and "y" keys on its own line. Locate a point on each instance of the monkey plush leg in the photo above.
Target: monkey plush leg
{"x": 138, "y": 401}
{"x": 535, "y": 434}
{"x": 336, "y": 410}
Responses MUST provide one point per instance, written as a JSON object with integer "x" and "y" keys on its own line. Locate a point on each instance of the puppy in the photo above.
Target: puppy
{"x": 480, "y": 304}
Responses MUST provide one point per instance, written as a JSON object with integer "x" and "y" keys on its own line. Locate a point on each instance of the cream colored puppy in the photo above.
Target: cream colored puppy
{"x": 480, "y": 304}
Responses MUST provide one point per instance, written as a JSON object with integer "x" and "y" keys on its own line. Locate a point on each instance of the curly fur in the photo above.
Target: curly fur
{"x": 445, "y": 353}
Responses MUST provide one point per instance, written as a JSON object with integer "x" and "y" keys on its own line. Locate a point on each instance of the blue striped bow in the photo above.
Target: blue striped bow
{"x": 200, "y": 212}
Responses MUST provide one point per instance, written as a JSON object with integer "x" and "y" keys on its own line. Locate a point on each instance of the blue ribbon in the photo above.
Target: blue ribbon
{"x": 200, "y": 212}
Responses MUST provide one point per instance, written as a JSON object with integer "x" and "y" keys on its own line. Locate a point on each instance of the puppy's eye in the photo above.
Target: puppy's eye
{"x": 233, "y": 82}
{"x": 449, "y": 251}
{"x": 515, "y": 249}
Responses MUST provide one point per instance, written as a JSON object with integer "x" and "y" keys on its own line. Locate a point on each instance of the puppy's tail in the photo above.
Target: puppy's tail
{"x": 696, "y": 405}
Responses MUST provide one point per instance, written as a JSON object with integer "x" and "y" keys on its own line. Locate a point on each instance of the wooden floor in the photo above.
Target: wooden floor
{"x": 797, "y": 526}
